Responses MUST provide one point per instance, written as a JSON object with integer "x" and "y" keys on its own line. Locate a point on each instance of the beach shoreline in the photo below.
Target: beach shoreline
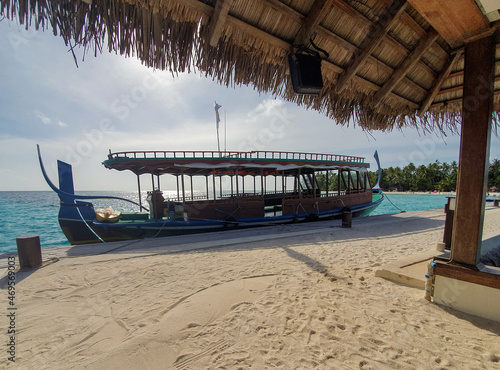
{"x": 291, "y": 296}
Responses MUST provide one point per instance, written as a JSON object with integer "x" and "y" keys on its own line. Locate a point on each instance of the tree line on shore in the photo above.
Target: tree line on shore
{"x": 439, "y": 176}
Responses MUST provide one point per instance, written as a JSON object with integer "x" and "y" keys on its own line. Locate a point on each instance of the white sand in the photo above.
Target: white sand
{"x": 307, "y": 301}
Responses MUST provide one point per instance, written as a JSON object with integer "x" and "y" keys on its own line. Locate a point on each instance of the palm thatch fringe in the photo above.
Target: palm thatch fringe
{"x": 167, "y": 35}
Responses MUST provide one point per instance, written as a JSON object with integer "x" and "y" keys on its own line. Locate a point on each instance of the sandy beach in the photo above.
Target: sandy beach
{"x": 298, "y": 296}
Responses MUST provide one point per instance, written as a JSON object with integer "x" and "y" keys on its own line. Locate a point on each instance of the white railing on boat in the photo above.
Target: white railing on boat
{"x": 272, "y": 155}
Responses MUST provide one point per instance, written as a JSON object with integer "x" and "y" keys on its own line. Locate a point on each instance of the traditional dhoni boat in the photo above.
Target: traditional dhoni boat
{"x": 241, "y": 189}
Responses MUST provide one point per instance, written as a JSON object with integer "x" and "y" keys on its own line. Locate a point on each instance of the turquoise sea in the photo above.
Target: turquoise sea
{"x": 26, "y": 212}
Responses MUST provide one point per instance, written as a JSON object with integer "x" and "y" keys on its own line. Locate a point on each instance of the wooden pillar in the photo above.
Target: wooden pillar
{"x": 474, "y": 151}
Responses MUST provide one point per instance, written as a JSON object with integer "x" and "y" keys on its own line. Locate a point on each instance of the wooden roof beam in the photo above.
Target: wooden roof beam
{"x": 404, "y": 17}
{"x": 407, "y": 64}
{"x": 347, "y": 45}
{"x": 438, "y": 83}
{"x": 276, "y": 41}
{"x": 459, "y": 88}
{"x": 218, "y": 19}
{"x": 372, "y": 41}
{"x": 318, "y": 12}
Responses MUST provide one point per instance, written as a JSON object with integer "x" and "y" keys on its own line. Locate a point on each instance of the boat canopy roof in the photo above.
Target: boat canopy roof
{"x": 204, "y": 163}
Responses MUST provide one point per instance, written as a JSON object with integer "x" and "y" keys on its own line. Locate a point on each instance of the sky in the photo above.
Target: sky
{"x": 109, "y": 102}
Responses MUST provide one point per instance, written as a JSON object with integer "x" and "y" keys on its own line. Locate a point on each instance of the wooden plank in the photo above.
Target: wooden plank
{"x": 474, "y": 151}
{"x": 372, "y": 41}
{"x": 454, "y": 22}
{"x": 369, "y": 85}
{"x": 454, "y": 101}
{"x": 458, "y": 88}
{"x": 438, "y": 83}
{"x": 467, "y": 274}
{"x": 349, "y": 10}
{"x": 370, "y": 60}
{"x": 408, "y": 63}
{"x": 318, "y": 12}
{"x": 218, "y": 19}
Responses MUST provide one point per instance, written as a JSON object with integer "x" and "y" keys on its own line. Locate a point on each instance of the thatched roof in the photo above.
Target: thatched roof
{"x": 390, "y": 64}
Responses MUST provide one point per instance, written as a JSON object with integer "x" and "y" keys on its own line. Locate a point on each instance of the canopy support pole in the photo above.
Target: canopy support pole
{"x": 191, "y": 184}
{"x": 237, "y": 187}
{"x": 139, "y": 190}
{"x": 183, "y": 188}
{"x": 213, "y": 179}
{"x": 474, "y": 151}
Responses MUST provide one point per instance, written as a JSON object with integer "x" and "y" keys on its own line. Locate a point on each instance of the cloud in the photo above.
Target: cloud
{"x": 46, "y": 120}
{"x": 266, "y": 109}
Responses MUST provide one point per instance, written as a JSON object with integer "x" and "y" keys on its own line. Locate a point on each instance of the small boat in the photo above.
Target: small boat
{"x": 241, "y": 189}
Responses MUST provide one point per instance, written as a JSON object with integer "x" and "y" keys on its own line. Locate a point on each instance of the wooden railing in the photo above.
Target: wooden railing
{"x": 267, "y": 155}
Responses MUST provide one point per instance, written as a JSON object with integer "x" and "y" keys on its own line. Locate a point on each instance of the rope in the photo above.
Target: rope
{"x": 395, "y": 206}
{"x": 85, "y": 222}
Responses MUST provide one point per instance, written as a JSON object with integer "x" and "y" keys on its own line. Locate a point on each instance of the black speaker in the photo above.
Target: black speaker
{"x": 305, "y": 71}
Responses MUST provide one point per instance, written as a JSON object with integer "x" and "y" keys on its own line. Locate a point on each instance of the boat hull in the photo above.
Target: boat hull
{"x": 80, "y": 231}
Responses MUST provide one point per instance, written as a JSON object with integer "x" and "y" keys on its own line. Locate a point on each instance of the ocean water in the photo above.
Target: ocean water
{"x": 25, "y": 212}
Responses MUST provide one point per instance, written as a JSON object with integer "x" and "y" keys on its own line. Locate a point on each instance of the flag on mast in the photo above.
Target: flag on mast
{"x": 217, "y": 117}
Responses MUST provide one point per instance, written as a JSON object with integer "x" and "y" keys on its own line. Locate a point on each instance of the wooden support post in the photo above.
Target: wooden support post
{"x": 29, "y": 251}
{"x": 474, "y": 151}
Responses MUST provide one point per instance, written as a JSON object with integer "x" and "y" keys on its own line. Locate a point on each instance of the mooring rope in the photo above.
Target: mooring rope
{"x": 395, "y": 206}
{"x": 85, "y": 222}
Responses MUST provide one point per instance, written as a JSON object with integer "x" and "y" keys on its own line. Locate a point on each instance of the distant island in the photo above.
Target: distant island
{"x": 436, "y": 176}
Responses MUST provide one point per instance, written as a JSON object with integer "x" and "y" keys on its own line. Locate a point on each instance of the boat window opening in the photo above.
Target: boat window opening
{"x": 354, "y": 182}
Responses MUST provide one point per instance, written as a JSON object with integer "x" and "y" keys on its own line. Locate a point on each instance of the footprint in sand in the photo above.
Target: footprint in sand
{"x": 167, "y": 342}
